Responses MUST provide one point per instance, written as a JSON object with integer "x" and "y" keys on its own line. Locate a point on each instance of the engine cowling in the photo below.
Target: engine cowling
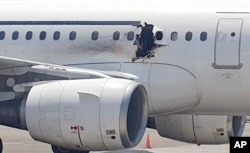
{"x": 200, "y": 129}
{"x": 95, "y": 114}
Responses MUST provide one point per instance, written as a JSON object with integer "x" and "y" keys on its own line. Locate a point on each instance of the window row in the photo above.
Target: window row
{"x": 42, "y": 35}
{"x": 95, "y": 35}
{"x": 188, "y": 36}
{"x": 72, "y": 35}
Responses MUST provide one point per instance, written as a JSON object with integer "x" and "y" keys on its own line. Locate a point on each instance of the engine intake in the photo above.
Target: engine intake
{"x": 96, "y": 114}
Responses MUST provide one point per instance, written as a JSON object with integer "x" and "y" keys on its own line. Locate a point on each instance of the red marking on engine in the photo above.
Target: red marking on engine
{"x": 74, "y": 128}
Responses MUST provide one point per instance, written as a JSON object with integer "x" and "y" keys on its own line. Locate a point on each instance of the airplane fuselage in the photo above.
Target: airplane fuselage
{"x": 200, "y": 66}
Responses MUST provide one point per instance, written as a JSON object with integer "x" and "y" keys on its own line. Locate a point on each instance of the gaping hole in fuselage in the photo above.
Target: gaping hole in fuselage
{"x": 145, "y": 41}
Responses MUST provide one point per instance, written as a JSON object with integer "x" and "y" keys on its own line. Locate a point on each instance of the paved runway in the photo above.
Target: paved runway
{"x": 17, "y": 141}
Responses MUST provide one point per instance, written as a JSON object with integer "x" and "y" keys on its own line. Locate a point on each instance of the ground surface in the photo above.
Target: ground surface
{"x": 16, "y": 141}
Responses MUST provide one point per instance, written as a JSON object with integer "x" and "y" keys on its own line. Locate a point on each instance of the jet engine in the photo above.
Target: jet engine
{"x": 200, "y": 129}
{"x": 93, "y": 114}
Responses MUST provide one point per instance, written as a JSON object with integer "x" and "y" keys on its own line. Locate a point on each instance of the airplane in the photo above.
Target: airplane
{"x": 92, "y": 75}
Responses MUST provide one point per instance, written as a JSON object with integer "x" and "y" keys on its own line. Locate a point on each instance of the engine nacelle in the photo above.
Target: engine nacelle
{"x": 95, "y": 114}
{"x": 200, "y": 129}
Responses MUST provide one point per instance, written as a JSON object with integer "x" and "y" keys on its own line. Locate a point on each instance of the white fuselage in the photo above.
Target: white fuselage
{"x": 202, "y": 67}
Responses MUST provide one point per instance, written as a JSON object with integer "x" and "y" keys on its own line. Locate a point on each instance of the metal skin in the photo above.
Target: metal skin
{"x": 94, "y": 114}
{"x": 196, "y": 61}
{"x": 199, "y": 129}
{"x": 213, "y": 90}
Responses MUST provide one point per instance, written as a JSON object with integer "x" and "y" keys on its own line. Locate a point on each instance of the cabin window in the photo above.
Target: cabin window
{"x": 95, "y": 35}
{"x": 130, "y": 35}
{"x": 42, "y": 35}
{"x": 56, "y": 35}
{"x": 116, "y": 35}
{"x": 15, "y": 35}
{"x": 29, "y": 35}
{"x": 203, "y": 36}
{"x": 174, "y": 36}
{"x": 159, "y": 35}
{"x": 72, "y": 35}
{"x": 233, "y": 34}
{"x": 2, "y": 35}
{"x": 189, "y": 36}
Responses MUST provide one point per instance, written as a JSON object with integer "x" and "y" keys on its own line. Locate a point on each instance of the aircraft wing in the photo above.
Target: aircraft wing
{"x": 7, "y": 62}
{"x": 60, "y": 70}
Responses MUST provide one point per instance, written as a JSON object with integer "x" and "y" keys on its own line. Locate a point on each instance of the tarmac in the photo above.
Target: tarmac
{"x": 19, "y": 141}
